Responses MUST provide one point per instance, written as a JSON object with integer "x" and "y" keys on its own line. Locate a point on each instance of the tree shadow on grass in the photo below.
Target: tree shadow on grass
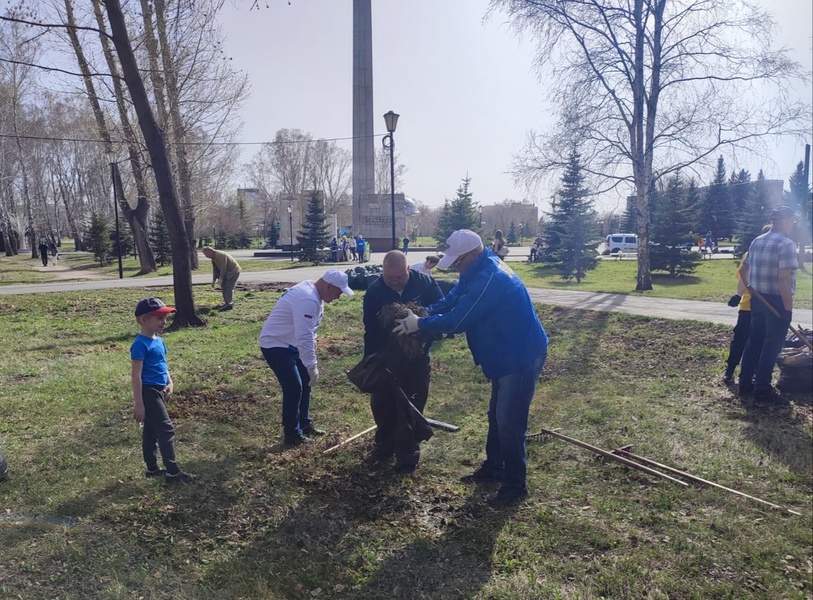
{"x": 358, "y": 530}
{"x": 780, "y": 431}
{"x": 664, "y": 280}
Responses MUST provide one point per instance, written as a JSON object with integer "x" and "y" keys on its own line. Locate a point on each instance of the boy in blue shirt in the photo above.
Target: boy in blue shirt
{"x": 151, "y": 383}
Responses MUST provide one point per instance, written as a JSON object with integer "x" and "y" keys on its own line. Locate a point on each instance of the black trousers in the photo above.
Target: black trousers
{"x": 741, "y": 331}
{"x": 158, "y": 432}
{"x": 395, "y": 433}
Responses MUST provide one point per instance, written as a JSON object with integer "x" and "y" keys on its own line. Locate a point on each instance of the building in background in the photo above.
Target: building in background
{"x": 524, "y": 215}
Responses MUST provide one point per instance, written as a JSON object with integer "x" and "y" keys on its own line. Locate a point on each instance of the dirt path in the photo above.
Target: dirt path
{"x": 63, "y": 272}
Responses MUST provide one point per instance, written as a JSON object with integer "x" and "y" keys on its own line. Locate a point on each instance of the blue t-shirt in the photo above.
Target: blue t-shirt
{"x": 154, "y": 354}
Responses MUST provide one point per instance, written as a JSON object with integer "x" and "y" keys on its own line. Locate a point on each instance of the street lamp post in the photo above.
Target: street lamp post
{"x": 116, "y": 210}
{"x": 481, "y": 217}
{"x": 291, "y": 226}
{"x": 391, "y": 121}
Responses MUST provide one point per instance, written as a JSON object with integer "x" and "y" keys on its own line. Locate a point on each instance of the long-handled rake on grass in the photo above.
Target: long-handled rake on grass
{"x": 624, "y": 456}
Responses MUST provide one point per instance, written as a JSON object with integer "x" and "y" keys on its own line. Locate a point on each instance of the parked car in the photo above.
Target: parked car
{"x": 621, "y": 242}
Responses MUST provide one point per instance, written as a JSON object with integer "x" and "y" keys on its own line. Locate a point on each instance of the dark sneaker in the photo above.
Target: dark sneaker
{"x": 181, "y": 477}
{"x": 297, "y": 440}
{"x": 406, "y": 470}
{"x": 728, "y": 376}
{"x": 155, "y": 473}
{"x": 507, "y": 496}
{"x": 745, "y": 390}
{"x": 482, "y": 475}
{"x": 313, "y": 431}
{"x": 378, "y": 455}
{"x": 768, "y": 396}
{"x": 226, "y": 307}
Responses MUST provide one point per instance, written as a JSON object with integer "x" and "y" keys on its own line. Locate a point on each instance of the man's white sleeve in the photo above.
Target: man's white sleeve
{"x": 306, "y": 319}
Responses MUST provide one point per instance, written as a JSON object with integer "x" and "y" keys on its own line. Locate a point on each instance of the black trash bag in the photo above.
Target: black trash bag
{"x": 370, "y": 375}
{"x": 795, "y": 371}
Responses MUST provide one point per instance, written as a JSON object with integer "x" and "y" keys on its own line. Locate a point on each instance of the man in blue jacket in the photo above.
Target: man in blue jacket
{"x": 491, "y": 304}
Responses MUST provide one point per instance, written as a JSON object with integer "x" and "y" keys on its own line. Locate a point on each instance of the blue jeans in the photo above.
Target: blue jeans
{"x": 296, "y": 388}
{"x": 511, "y": 397}
{"x": 764, "y": 343}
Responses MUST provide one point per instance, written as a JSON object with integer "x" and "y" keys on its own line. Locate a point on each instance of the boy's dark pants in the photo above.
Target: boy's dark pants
{"x": 158, "y": 430}
{"x": 741, "y": 331}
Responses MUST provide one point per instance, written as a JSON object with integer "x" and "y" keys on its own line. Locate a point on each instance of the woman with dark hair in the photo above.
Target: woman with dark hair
{"x": 498, "y": 245}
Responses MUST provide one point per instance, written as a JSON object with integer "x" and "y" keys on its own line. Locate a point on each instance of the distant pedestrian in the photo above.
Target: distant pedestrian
{"x": 54, "y": 251}
{"x": 769, "y": 268}
{"x": 426, "y": 266}
{"x": 225, "y": 268}
{"x": 43, "y": 248}
{"x": 352, "y": 244}
{"x": 152, "y": 384}
{"x": 498, "y": 246}
{"x": 708, "y": 244}
{"x": 406, "y": 245}
{"x": 361, "y": 247}
{"x": 334, "y": 249}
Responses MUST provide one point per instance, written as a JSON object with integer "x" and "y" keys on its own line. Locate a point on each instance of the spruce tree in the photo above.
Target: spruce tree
{"x": 671, "y": 219}
{"x": 457, "y": 214}
{"x": 159, "y": 238}
{"x": 739, "y": 186}
{"x": 570, "y": 234}
{"x": 629, "y": 220}
{"x": 756, "y": 213}
{"x": 715, "y": 208}
{"x": 512, "y": 233}
{"x": 799, "y": 198}
{"x": 99, "y": 239}
{"x": 313, "y": 236}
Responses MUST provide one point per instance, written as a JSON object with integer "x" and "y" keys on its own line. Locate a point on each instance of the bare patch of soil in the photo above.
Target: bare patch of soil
{"x": 254, "y": 286}
{"x": 217, "y": 404}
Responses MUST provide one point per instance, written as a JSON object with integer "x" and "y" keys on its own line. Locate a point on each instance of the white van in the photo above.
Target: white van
{"x": 621, "y": 242}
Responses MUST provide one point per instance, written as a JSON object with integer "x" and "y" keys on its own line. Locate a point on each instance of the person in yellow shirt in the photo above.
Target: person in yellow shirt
{"x": 743, "y": 327}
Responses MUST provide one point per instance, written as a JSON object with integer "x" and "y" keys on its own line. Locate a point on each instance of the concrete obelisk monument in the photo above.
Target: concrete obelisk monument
{"x": 371, "y": 211}
{"x": 363, "y": 129}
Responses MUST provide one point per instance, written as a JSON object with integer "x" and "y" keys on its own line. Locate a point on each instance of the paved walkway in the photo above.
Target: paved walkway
{"x": 664, "y": 308}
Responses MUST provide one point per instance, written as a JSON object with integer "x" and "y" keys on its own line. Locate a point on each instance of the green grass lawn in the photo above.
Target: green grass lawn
{"x": 712, "y": 281}
{"x": 273, "y": 523}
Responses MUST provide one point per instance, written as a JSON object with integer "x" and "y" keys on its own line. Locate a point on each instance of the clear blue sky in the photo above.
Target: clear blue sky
{"x": 465, "y": 89}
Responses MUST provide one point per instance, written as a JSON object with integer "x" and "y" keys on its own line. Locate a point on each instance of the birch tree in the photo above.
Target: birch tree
{"x": 650, "y": 87}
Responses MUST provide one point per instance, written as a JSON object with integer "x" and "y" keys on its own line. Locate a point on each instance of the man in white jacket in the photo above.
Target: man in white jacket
{"x": 288, "y": 344}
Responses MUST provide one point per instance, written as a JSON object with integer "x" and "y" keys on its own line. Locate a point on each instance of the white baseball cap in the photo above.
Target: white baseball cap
{"x": 339, "y": 279}
{"x": 458, "y": 244}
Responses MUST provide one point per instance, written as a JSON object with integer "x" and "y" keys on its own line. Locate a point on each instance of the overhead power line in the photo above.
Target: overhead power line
{"x": 97, "y": 141}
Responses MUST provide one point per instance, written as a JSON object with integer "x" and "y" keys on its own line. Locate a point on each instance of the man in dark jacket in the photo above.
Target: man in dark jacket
{"x": 397, "y": 283}
{"x": 490, "y": 303}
